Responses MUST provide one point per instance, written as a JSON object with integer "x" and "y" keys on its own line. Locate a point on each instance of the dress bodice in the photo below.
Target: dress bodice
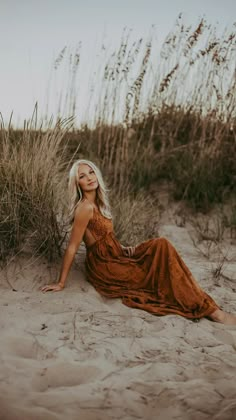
{"x": 98, "y": 227}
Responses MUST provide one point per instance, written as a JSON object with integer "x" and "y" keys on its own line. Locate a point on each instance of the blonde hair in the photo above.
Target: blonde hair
{"x": 76, "y": 195}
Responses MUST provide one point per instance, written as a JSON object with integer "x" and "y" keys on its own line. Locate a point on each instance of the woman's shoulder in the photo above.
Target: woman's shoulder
{"x": 84, "y": 209}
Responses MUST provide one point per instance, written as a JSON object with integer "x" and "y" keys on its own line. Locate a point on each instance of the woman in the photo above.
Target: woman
{"x": 151, "y": 276}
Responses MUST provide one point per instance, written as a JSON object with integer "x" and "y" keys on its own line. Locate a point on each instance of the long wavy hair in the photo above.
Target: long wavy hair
{"x": 76, "y": 194}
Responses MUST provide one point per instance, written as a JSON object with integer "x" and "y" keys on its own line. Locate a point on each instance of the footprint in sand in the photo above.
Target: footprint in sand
{"x": 64, "y": 374}
{"x": 24, "y": 347}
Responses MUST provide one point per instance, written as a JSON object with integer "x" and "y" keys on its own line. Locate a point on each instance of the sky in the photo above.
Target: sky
{"x": 33, "y": 32}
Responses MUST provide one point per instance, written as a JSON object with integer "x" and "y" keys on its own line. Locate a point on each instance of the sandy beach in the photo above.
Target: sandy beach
{"x": 79, "y": 356}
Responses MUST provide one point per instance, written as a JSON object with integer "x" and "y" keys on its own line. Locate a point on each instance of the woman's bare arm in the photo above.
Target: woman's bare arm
{"x": 83, "y": 214}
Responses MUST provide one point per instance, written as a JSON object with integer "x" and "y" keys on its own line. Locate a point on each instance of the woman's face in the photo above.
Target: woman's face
{"x": 87, "y": 178}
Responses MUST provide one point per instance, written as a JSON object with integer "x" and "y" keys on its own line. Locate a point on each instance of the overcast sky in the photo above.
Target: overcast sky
{"x": 32, "y": 33}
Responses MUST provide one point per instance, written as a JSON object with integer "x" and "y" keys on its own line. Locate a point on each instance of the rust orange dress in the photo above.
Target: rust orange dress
{"x": 154, "y": 279}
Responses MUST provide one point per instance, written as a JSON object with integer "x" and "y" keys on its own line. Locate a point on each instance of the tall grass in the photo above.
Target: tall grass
{"x": 194, "y": 68}
{"x": 194, "y": 152}
{"x": 167, "y": 113}
{"x": 32, "y": 185}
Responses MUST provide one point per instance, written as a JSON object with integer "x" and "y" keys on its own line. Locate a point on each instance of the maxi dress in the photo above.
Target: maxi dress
{"x": 154, "y": 279}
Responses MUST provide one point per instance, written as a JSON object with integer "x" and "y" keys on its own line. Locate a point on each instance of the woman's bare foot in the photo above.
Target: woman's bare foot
{"x": 223, "y": 317}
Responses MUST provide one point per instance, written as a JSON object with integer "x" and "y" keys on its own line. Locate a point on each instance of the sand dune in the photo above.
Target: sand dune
{"x": 79, "y": 356}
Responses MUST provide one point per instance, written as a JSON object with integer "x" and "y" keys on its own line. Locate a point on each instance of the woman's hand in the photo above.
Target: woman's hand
{"x": 128, "y": 250}
{"x": 55, "y": 287}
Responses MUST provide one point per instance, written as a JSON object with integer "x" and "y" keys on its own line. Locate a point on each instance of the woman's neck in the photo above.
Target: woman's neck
{"x": 90, "y": 196}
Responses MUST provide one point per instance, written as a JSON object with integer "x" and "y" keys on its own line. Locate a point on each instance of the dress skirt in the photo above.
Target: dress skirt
{"x": 154, "y": 279}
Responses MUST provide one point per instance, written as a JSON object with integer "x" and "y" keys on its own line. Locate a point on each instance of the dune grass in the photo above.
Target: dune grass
{"x": 194, "y": 153}
{"x": 32, "y": 189}
{"x": 166, "y": 113}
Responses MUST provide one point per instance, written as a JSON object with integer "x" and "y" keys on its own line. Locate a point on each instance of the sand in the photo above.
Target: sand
{"x": 75, "y": 355}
